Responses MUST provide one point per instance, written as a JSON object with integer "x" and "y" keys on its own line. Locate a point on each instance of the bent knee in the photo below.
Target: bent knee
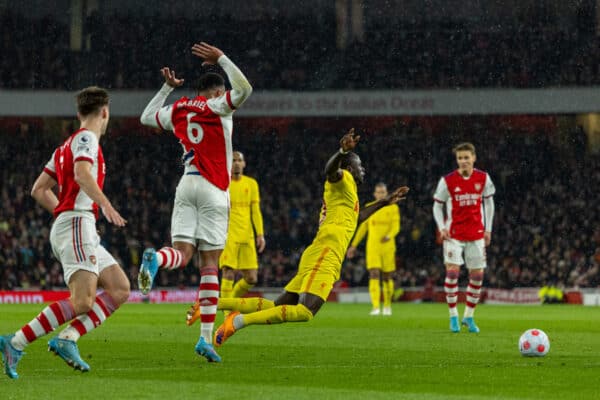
{"x": 120, "y": 295}
{"x": 83, "y": 304}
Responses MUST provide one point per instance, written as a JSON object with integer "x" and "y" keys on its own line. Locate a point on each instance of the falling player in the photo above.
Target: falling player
{"x": 466, "y": 230}
{"x": 245, "y": 219}
{"x": 321, "y": 262}
{"x": 78, "y": 168}
{"x": 203, "y": 125}
{"x": 382, "y": 228}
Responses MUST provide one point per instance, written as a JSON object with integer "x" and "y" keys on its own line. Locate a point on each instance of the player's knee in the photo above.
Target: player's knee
{"x": 120, "y": 295}
{"x": 452, "y": 273}
{"x": 228, "y": 273}
{"x": 83, "y": 304}
{"x": 476, "y": 276}
{"x": 374, "y": 273}
{"x": 250, "y": 279}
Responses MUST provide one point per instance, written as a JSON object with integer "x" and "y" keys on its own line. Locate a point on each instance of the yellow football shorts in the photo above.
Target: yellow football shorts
{"x": 318, "y": 270}
{"x": 239, "y": 256}
{"x": 384, "y": 260}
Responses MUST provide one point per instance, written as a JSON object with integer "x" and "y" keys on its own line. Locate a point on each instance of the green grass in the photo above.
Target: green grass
{"x": 145, "y": 351}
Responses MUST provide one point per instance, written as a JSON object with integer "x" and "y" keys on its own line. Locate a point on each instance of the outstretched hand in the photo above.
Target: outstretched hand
{"x": 170, "y": 78}
{"x": 349, "y": 141}
{"x": 209, "y": 53}
{"x": 397, "y": 195}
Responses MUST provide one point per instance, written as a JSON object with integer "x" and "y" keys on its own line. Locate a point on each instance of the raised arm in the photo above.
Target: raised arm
{"x": 392, "y": 198}
{"x": 155, "y": 115}
{"x": 347, "y": 143}
{"x": 240, "y": 87}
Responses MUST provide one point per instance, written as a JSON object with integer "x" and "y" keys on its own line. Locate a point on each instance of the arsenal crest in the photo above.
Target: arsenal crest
{"x": 478, "y": 186}
{"x": 93, "y": 259}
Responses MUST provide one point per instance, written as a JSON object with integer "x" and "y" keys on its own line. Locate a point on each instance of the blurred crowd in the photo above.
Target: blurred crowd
{"x": 545, "y": 230}
{"x": 299, "y": 52}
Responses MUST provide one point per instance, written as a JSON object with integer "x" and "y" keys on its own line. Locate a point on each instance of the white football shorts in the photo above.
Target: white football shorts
{"x": 474, "y": 253}
{"x": 200, "y": 213}
{"x": 76, "y": 244}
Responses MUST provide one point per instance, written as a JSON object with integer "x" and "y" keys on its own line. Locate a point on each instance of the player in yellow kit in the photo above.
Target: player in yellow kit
{"x": 382, "y": 228}
{"x": 321, "y": 262}
{"x": 245, "y": 220}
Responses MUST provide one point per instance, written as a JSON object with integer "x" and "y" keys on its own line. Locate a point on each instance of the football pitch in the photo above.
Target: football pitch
{"x": 145, "y": 351}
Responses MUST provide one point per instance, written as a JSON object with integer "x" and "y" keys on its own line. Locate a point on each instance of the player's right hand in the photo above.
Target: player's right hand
{"x": 113, "y": 216}
{"x": 170, "y": 78}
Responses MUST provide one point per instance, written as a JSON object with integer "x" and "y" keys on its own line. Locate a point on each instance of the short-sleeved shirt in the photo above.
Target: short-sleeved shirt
{"x": 463, "y": 199}
{"x": 80, "y": 146}
{"x": 204, "y": 128}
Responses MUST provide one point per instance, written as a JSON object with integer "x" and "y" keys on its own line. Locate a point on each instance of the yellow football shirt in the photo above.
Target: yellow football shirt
{"x": 245, "y": 217}
{"x": 339, "y": 215}
{"x": 384, "y": 222}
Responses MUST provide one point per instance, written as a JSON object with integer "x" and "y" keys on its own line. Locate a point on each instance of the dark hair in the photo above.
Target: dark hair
{"x": 90, "y": 100}
{"x": 381, "y": 184}
{"x": 466, "y": 146}
{"x": 347, "y": 159}
{"x": 208, "y": 81}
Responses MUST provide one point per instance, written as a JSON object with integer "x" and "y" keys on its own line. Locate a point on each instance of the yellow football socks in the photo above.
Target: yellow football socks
{"x": 278, "y": 315}
{"x": 375, "y": 292}
{"x": 388, "y": 292}
{"x": 226, "y": 288}
{"x": 245, "y": 305}
{"x": 241, "y": 288}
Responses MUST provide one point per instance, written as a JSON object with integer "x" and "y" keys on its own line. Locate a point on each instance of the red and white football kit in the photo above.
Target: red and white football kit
{"x": 204, "y": 128}
{"x": 466, "y": 219}
{"x": 74, "y": 239}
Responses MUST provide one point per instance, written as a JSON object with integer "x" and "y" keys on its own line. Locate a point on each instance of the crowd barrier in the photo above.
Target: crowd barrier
{"x": 342, "y": 295}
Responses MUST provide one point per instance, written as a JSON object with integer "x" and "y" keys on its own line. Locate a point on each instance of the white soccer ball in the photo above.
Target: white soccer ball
{"x": 534, "y": 343}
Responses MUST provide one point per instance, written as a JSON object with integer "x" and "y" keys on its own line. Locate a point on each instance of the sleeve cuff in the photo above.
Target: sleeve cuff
{"x": 50, "y": 172}
{"x": 88, "y": 159}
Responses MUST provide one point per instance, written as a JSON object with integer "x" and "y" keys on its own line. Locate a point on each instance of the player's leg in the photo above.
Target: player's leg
{"x": 475, "y": 260}
{"x": 183, "y": 228}
{"x": 116, "y": 292}
{"x": 311, "y": 286}
{"x": 208, "y": 298}
{"x": 82, "y": 285}
{"x": 375, "y": 290}
{"x": 387, "y": 283}
{"x": 228, "y": 262}
{"x": 248, "y": 264}
{"x": 387, "y": 280}
{"x": 453, "y": 260}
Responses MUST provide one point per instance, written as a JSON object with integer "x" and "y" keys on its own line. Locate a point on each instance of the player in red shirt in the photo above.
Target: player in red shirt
{"x": 203, "y": 124}
{"x": 467, "y": 194}
{"x": 78, "y": 168}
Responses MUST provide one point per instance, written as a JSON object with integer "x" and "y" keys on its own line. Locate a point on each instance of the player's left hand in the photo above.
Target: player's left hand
{"x": 170, "y": 78}
{"x": 397, "y": 195}
{"x": 385, "y": 239}
{"x": 209, "y": 53}
{"x": 487, "y": 238}
{"x": 260, "y": 243}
